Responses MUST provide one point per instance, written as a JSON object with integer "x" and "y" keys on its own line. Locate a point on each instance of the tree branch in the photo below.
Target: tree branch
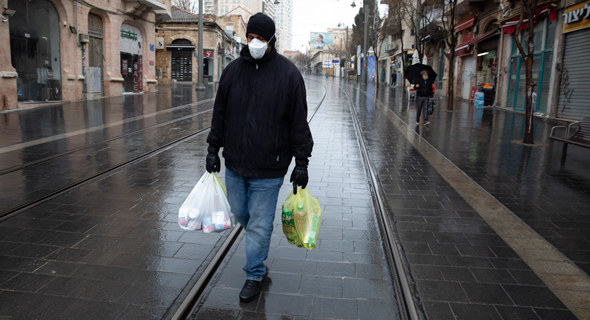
{"x": 517, "y": 34}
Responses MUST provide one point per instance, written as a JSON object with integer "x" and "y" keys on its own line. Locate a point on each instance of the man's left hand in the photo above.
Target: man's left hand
{"x": 299, "y": 176}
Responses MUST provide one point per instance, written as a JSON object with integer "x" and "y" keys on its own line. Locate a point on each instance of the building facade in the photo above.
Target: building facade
{"x": 284, "y": 22}
{"x": 63, "y": 50}
{"x": 487, "y": 54}
{"x": 177, "y": 57}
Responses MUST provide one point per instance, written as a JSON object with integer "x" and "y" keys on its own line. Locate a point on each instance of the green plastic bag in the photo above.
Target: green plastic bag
{"x": 301, "y": 218}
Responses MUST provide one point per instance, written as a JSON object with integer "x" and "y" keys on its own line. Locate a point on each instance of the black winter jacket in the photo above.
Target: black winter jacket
{"x": 425, "y": 88}
{"x": 260, "y": 116}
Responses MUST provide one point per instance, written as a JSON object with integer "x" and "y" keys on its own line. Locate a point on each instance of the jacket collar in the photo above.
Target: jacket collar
{"x": 245, "y": 54}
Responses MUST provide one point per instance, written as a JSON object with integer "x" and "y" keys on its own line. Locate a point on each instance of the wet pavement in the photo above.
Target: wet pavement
{"x": 44, "y": 150}
{"x": 461, "y": 266}
{"x": 456, "y": 192}
{"x": 346, "y": 275}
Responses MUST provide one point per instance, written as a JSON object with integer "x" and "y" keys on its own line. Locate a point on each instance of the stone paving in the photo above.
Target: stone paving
{"x": 345, "y": 276}
{"x": 95, "y": 136}
{"x": 461, "y": 267}
{"x": 111, "y": 249}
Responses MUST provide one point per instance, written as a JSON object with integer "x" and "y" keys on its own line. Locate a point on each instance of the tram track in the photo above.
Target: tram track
{"x": 191, "y": 303}
{"x": 401, "y": 285}
{"x": 94, "y": 144}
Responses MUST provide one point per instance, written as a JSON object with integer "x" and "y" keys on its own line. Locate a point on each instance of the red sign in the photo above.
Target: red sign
{"x": 124, "y": 67}
{"x": 208, "y": 53}
{"x": 140, "y": 73}
{"x": 151, "y": 62}
{"x": 136, "y": 78}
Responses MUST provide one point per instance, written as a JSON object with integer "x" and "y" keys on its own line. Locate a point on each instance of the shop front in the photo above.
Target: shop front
{"x": 131, "y": 59}
{"x": 35, "y": 51}
{"x": 573, "y": 89}
{"x": 544, "y": 38}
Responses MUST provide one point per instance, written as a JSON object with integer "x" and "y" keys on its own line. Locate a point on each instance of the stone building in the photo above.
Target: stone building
{"x": 176, "y": 57}
{"x": 64, "y": 50}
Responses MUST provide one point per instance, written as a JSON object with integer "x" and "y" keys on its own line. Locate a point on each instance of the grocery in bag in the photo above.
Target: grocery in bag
{"x": 301, "y": 218}
{"x": 206, "y": 207}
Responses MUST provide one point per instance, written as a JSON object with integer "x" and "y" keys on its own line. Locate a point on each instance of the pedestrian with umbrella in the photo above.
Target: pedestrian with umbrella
{"x": 422, "y": 77}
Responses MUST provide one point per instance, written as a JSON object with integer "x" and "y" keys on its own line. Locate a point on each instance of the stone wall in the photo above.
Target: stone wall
{"x": 71, "y": 52}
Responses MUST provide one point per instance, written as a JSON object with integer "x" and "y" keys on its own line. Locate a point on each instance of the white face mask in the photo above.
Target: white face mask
{"x": 258, "y": 48}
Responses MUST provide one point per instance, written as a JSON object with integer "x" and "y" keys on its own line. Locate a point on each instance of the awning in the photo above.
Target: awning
{"x": 180, "y": 47}
{"x": 510, "y": 25}
{"x": 465, "y": 24}
{"x": 463, "y": 48}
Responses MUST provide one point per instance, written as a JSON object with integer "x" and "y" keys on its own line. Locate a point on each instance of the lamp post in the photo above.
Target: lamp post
{"x": 347, "y": 56}
{"x": 365, "y": 57}
{"x": 200, "y": 84}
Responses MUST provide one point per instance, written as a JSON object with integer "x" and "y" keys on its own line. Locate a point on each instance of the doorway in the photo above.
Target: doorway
{"x": 94, "y": 74}
{"x": 182, "y": 61}
{"x": 34, "y": 50}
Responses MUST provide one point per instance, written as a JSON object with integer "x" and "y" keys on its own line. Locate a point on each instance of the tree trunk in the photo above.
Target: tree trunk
{"x": 530, "y": 6}
{"x": 451, "y": 80}
{"x": 528, "y": 124}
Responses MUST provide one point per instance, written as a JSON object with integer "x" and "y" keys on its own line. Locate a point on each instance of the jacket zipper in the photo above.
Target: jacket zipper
{"x": 257, "y": 66}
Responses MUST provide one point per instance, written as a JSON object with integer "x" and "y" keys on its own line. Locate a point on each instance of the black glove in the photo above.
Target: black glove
{"x": 213, "y": 163}
{"x": 299, "y": 176}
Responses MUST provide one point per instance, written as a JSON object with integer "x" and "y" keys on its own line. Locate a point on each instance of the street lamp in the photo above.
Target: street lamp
{"x": 277, "y": 2}
{"x": 200, "y": 84}
{"x": 366, "y": 58}
{"x": 345, "y": 50}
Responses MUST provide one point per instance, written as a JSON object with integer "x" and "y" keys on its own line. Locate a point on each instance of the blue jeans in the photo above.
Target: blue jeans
{"x": 253, "y": 201}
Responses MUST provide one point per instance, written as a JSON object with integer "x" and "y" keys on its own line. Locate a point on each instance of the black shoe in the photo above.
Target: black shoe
{"x": 250, "y": 290}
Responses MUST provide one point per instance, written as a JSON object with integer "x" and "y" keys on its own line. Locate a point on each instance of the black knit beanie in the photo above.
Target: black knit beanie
{"x": 262, "y": 25}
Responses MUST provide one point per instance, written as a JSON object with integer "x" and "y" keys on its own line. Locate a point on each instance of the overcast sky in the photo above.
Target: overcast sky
{"x": 319, "y": 15}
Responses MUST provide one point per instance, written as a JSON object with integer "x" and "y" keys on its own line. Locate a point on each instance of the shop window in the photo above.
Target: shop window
{"x": 35, "y": 52}
{"x": 544, "y": 34}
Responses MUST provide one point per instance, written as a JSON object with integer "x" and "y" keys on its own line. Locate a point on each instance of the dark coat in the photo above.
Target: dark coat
{"x": 425, "y": 89}
{"x": 260, "y": 116}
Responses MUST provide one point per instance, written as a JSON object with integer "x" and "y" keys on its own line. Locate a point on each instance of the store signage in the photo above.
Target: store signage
{"x": 576, "y": 17}
{"x": 124, "y": 67}
{"x": 129, "y": 35}
{"x": 152, "y": 47}
{"x": 151, "y": 62}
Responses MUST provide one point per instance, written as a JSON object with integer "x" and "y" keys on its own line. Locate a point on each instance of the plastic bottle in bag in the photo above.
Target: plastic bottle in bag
{"x": 301, "y": 221}
{"x": 313, "y": 228}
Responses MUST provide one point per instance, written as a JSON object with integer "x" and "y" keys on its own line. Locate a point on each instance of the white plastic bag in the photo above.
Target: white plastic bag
{"x": 206, "y": 207}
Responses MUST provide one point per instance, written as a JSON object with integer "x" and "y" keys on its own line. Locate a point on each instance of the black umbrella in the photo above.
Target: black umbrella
{"x": 413, "y": 72}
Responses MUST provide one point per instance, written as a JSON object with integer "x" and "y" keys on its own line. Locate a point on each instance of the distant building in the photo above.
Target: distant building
{"x": 177, "y": 57}
{"x": 284, "y": 21}
{"x": 265, "y": 6}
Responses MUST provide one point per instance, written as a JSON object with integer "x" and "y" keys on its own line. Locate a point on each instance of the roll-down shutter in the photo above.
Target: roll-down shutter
{"x": 574, "y": 90}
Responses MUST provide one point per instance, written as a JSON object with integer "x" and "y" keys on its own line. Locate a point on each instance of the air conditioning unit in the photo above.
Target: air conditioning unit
{"x": 159, "y": 73}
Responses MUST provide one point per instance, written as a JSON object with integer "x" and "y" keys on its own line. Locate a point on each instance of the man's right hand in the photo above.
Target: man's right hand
{"x": 416, "y": 85}
{"x": 213, "y": 163}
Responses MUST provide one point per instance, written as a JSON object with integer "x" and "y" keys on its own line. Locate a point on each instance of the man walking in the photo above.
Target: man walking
{"x": 423, "y": 86}
{"x": 260, "y": 120}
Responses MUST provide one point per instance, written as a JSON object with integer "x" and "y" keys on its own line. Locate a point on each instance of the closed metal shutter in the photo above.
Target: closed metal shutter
{"x": 574, "y": 90}
{"x": 468, "y": 72}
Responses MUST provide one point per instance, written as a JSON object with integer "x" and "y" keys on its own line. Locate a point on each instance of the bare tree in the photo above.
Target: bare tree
{"x": 418, "y": 14}
{"x": 529, "y": 7}
{"x": 394, "y": 27}
{"x": 451, "y": 42}
{"x": 188, "y": 5}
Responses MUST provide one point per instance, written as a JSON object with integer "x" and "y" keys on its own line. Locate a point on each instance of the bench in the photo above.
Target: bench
{"x": 580, "y": 138}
